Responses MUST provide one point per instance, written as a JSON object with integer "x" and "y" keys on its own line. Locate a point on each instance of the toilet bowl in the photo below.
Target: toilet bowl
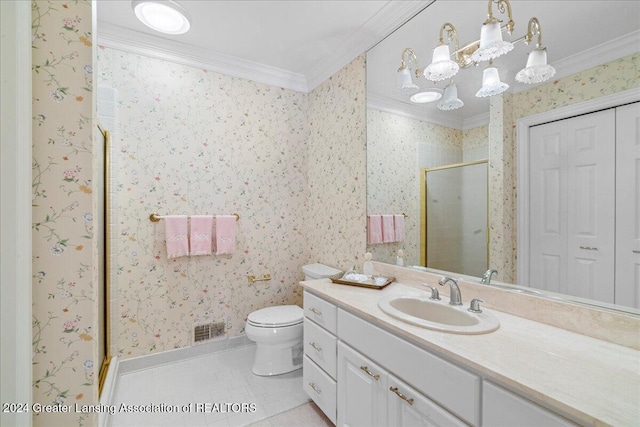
{"x": 277, "y": 332}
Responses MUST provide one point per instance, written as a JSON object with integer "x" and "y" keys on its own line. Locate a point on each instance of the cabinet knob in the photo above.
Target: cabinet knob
{"x": 401, "y": 396}
{"x": 315, "y": 311}
{"x": 371, "y": 374}
{"x": 316, "y": 347}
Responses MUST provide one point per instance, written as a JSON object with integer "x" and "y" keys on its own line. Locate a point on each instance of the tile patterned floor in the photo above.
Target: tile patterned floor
{"x": 211, "y": 391}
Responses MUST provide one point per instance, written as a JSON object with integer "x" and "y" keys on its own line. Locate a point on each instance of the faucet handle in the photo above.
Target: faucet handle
{"x": 435, "y": 295}
{"x": 474, "y": 307}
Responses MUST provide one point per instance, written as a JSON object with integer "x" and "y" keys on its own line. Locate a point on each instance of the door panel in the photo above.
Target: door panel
{"x": 548, "y": 212}
{"x": 591, "y": 205}
{"x": 628, "y": 205}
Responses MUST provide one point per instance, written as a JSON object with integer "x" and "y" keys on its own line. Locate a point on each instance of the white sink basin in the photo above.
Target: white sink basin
{"x": 438, "y": 315}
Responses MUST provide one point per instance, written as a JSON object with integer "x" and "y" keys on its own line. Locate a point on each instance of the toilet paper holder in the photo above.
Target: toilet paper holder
{"x": 253, "y": 278}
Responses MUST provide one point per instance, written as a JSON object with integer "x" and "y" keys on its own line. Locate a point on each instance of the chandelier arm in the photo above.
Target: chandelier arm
{"x": 533, "y": 29}
{"x": 411, "y": 57}
{"x": 502, "y": 5}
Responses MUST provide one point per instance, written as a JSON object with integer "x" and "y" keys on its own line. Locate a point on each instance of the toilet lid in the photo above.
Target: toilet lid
{"x": 282, "y": 315}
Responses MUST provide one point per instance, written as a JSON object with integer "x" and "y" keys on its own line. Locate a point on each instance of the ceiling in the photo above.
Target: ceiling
{"x": 299, "y": 44}
{"x": 293, "y": 44}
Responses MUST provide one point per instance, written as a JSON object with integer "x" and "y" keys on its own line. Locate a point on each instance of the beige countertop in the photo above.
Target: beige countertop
{"x": 594, "y": 381}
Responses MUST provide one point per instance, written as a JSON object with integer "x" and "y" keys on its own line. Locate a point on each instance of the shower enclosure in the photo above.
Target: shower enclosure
{"x": 454, "y": 218}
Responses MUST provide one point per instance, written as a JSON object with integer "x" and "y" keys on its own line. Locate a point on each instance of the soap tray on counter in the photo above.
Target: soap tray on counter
{"x": 368, "y": 283}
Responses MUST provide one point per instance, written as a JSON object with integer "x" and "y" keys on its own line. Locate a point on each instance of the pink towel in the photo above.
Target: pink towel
{"x": 176, "y": 231}
{"x": 374, "y": 229}
{"x": 225, "y": 234}
{"x": 388, "y": 229}
{"x": 398, "y": 221}
{"x": 200, "y": 236}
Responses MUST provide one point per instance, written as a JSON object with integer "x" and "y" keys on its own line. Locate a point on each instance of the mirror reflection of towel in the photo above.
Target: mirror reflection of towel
{"x": 398, "y": 225}
{"x": 374, "y": 229}
{"x": 388, "y": 229}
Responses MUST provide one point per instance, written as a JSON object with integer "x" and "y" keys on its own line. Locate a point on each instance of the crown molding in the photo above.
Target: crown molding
{"x": 385, "y": 21}
{"x": 120, "y": 38}
{"x": 475, "y": 121}
{"x": 589, "y": 58}
{"x": 389, "y": 18}
{"x": 412, "y": 111}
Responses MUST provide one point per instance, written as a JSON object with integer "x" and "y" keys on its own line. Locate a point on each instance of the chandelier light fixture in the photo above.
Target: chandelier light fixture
{"x": 445, "y": 65}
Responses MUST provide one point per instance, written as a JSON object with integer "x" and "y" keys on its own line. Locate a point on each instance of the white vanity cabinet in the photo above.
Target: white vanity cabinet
{"x": 368, "y": 395}
{"x": 408, "y": 407}
{"x": 362, "y": 375}
{"x": 501, "y": 407}
{"x": 320, "y": 353}
{"x": 362, "y": 390}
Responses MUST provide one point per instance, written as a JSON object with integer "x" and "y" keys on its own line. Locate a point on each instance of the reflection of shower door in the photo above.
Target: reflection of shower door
{"x": 454, "y": 218}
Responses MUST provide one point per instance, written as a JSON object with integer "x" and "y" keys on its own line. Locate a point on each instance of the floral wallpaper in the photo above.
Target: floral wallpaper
{"x": 65, "y": 364}
{"x": 335, "y": 214}
{"x": 196, "y": 142}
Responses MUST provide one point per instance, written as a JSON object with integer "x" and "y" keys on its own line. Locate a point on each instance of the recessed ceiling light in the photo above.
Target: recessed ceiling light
{"x": 426, "y": 95}
{"x": 165, "y": 16}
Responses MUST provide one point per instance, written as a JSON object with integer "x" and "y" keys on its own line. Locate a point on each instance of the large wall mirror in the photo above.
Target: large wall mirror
{"x": 594, "y": 48}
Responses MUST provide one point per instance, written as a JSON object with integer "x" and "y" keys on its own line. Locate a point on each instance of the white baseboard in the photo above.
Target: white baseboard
{"x": 158, "y": 359}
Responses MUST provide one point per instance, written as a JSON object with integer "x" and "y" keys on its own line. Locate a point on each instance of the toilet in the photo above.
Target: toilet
{"x": 277, "y": 331}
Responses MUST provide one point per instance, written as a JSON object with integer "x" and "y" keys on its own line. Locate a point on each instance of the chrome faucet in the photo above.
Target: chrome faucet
{"x": 486, "y": 277}
{"x": 454, "y": 295}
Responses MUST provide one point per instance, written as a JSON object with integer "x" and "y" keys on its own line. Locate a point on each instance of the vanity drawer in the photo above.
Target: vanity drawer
{"x": 321, "y": 347}
{"x": 320, "y": 387}
{"x": 452, "y": 387}
{"x": 320, "y": 311}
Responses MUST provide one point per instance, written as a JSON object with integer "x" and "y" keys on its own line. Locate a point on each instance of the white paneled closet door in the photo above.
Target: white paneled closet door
{"x": 628, "y": 205}
{"x": 572, "y": 206}
{"x": 548, "y": 191}
{"x": 591, "y": 198}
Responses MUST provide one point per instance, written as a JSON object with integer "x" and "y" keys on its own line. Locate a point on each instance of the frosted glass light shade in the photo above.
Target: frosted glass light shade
{"x": 404, "y": 84}
{"x": 537, "y": 69}
{"x": 427, "y": 95}
{"x": 491, "y": 84}
{"x": 441, "y": 67}
{"x": 491, "y": 43}
{"x": 450, "y": 101}
{"x": 165, "y": 16}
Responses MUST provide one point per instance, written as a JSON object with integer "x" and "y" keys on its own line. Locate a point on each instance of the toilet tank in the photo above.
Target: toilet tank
{"x": 318, "y": 271}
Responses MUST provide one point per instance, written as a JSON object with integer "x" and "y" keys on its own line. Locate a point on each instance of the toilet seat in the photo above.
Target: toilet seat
{"x": 279, "y": 316}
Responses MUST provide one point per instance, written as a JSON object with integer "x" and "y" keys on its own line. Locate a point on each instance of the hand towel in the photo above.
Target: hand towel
{"x": 374, "y": 229}
{"x": 225, "y": 234}
{"x": 176, "y": 235}
{"x": 200, "y": 235}
{"x": 388, "y": 230}
{"x": 398, "y": 224}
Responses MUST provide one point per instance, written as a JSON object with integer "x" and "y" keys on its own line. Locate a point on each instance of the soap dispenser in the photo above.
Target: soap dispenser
{"x": 367, "y": 266}
{"x": 399, "y": 260}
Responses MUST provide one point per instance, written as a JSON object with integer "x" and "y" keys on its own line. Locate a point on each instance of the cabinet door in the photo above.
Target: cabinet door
{"x": 407, "y": 407}
{"x": 502, "y": 408}
{"x": 362, "y": 387}
{"x": 628, "y": 205}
